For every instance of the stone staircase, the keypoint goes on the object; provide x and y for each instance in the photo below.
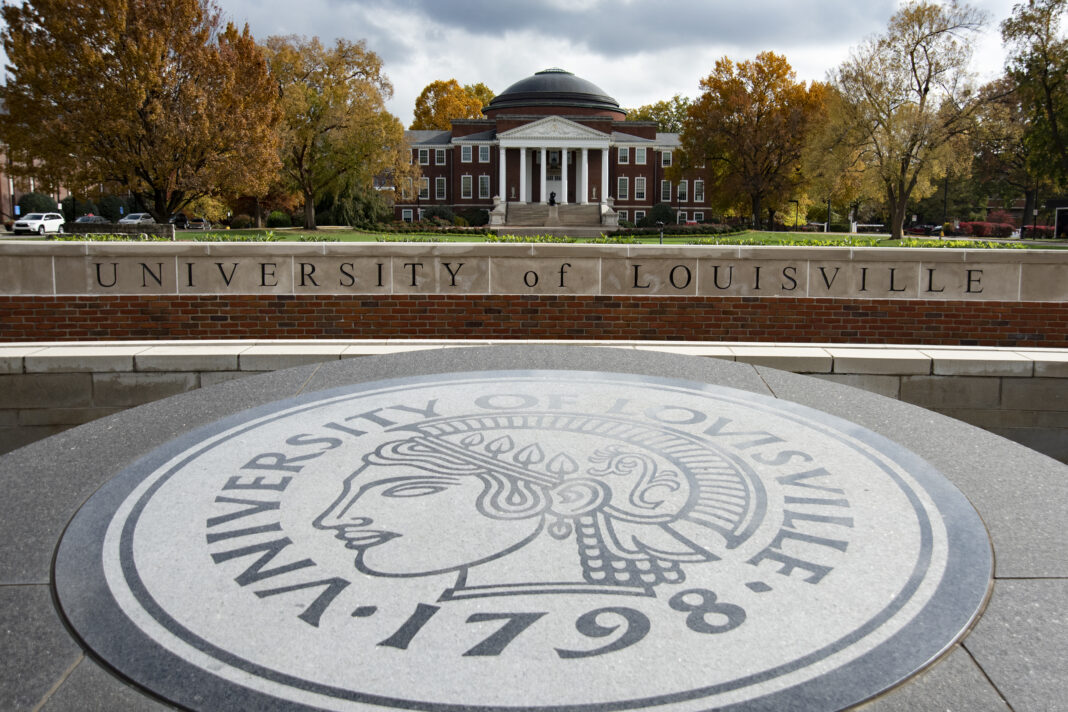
(533, 214)
(537, 215)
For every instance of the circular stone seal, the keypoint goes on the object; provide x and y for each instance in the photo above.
(524, 540)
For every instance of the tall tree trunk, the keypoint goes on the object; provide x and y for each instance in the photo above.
(897, 219)
(1028, 217)
(309, 210)
(756, 211)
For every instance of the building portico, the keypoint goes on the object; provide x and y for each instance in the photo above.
(552, 154)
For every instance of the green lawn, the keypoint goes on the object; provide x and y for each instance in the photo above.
(748, 237)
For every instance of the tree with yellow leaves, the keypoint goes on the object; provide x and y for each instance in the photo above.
(444, 100)
(906, 103)
(336, 133)
(158, 96)
(748, 128)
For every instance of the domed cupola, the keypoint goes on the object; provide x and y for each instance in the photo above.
(552, 91)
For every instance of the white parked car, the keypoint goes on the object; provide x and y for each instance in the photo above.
(138, 219)
(39, 223)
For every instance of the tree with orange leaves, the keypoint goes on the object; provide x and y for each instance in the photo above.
(748, 128)
(442, 101)
(159, 96)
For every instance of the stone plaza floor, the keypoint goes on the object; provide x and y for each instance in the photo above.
(1012, 659)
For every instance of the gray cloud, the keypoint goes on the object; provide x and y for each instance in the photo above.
(622, 28)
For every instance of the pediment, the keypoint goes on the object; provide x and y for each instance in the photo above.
(553, 127)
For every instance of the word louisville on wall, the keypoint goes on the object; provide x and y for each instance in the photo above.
(494, 269)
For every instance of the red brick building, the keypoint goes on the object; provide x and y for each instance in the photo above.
(552, 137)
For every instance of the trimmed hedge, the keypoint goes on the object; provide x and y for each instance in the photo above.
(986, 229)
(1038, 231)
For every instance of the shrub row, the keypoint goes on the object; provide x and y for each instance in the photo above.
(986, 229)
(679, 230)
(1037, 231)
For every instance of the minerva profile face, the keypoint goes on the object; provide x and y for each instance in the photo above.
(411, 522)
(465, 492)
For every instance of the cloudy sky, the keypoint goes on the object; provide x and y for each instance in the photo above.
(638, 51)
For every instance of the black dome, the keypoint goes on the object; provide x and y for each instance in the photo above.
(554, 87)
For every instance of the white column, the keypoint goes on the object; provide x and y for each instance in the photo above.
(502, 190)
(584, 179)
(604, 175)
(563, 176)
(544, 168)
(522, 174)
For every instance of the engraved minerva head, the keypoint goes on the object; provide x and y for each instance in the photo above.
(638, 499)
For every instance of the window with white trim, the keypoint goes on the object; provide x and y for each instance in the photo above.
(406, 190)
(411, 157)
(439, 188)
(623, 155)
(421, 211)
(483, 186)
(483, 154)
(439, 156)
(639, 155)
(424, 156)
(465, 154)
(639, 188)
(406, 215)
(665, 191)
(665, 159)
(699, 217)
(638, 215)
(698, 191)
(466, 187)
(683, 190)
(623, 214)
(424, 188)
(622, 188)
(682, 217)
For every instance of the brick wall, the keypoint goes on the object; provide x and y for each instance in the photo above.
(439, 316)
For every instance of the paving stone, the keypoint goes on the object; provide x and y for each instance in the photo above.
(951, 391)
(63, 416)
(12, 438)
(980, 363)
(11, 357)
(1021, 642)
(82, 359)
(1048, 441)
(797, 359)
(889, 386)
(273, 357)
(191, 357)
(954, 684)
(1049, 363)
(211, 378)
(91, 688)
(126, 389)
(886, 361)
(35, 648)
(1035, 394)
(52, 389)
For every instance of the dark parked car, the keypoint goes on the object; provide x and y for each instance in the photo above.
(179, 220)
(198, 224)
(94, 219)
(923, 229)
